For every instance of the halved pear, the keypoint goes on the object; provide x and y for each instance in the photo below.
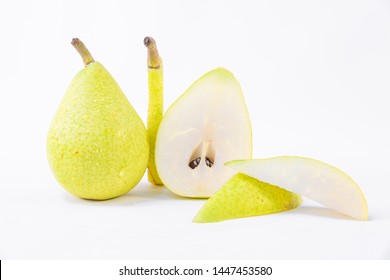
(244, 196)
(310, 178)
(205, 127)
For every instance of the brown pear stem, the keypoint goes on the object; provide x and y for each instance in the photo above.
(154, 59)
(83, 51)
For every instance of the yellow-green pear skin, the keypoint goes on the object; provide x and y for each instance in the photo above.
(244, 196)
(155, 106)
(97, 144)
(155, 115)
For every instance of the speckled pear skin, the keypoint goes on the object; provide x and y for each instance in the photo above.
(97, 144)
(244, 196)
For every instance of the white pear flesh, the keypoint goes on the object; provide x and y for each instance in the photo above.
(310, 178)
(205, 127)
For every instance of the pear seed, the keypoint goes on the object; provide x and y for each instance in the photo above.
(194, 163)
(209, 162)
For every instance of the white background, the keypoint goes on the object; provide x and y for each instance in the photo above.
(316, 78)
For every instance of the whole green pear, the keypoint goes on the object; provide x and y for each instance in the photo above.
(97, 145)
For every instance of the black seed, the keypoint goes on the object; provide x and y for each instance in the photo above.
(194, 163)
(209, 162)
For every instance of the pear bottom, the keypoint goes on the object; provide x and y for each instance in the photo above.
(97, 175)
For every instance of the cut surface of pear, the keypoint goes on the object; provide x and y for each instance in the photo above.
(244, 196)
(310, 178)
(97, 144)
(205, 127)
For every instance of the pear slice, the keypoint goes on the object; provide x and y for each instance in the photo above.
(205, 127)
(244, 196)
(156, 104)
(310, 178)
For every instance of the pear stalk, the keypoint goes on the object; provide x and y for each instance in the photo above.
(83, 51)
(155, 107)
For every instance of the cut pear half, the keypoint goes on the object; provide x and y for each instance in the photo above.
(310, 178)
(205, 127)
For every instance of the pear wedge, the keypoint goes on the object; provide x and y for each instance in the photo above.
(244, 196)
(310, 178)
